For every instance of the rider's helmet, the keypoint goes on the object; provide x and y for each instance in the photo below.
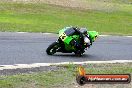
(83, 31)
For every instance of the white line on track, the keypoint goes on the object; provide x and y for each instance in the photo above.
(129, 36)
(21, 32)
(47, 33)
(34, 65)
(104, 35)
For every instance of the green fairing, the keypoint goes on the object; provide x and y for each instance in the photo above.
(68, 39)
(92, 35)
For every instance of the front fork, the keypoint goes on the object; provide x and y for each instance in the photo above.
(60, 49)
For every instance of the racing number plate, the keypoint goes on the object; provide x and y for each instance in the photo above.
(63, 36)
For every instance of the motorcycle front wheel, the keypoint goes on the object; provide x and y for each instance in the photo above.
(52, 49)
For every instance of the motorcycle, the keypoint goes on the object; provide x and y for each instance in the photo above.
(66, 35)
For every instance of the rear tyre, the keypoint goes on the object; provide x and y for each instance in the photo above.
(78, 53)
(52, 49)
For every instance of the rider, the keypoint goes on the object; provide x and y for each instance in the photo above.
(82, 32)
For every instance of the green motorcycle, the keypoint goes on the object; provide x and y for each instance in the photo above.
(66, 36)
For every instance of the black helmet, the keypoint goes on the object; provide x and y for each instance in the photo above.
(83, 30)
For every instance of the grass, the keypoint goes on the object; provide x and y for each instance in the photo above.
(62, 77)
(40, 17)
(36, 80)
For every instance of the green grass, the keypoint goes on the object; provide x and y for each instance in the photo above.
(40, 17)
(116, 68)
(62, 77)
(36, 80)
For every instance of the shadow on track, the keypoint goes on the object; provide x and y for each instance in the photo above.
(84, 56)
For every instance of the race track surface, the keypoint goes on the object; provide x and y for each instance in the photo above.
(28, 48)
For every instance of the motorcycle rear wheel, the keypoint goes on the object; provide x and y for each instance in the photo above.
(78, 53)
(52, 49)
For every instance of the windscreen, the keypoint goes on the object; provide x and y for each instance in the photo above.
(69, 31)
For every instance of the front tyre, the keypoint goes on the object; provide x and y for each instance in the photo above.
(52, 49)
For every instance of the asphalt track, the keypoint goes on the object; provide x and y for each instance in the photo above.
(28, 48)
